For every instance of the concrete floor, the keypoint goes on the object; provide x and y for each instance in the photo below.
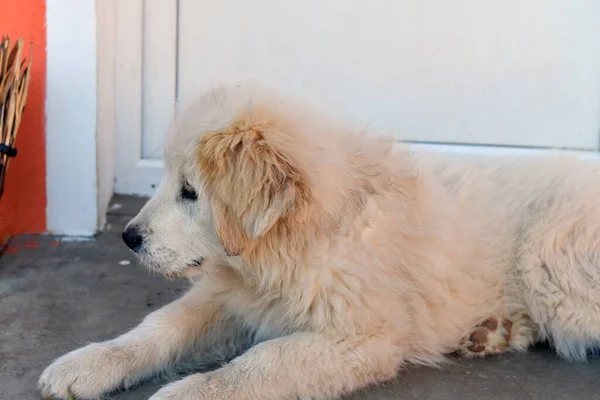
(58, 295)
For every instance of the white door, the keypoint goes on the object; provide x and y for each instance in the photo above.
(510, 73)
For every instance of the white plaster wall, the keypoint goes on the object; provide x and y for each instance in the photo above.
(106, 102)
(71, 99)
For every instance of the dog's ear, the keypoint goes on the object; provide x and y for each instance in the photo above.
(250, 183)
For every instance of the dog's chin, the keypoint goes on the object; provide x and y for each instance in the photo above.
(190, 271)
(172, 271)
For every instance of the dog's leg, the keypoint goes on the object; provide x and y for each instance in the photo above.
(564, 299)
(302, 365)
(162, 339)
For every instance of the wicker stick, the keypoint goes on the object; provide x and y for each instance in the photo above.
(14, 85)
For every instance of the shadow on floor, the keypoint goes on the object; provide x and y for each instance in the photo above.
(57, 295)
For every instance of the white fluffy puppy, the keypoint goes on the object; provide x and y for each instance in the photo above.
(324, 259)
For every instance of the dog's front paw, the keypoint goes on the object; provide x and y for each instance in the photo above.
(209, 386)
(178, 391)
(86, 373)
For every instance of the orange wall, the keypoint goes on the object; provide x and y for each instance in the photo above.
(23, 206)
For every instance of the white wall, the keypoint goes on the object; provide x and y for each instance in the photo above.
(462, 71)
(106, 105)
(71, 100)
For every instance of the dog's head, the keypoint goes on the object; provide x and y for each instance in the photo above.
(230, 177)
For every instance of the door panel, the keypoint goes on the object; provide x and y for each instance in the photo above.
(510, 73)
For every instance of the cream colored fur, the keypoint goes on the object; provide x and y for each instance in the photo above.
(339, 257)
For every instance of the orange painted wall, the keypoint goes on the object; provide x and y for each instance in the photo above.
(23, 206)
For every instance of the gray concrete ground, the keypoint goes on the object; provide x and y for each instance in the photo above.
(59, 295)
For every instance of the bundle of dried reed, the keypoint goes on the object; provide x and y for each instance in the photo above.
(14, 82)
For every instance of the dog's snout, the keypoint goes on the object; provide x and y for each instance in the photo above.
(132, 238)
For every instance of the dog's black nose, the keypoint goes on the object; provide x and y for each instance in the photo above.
(132, 238)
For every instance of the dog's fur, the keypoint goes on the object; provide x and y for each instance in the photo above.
(338, 257)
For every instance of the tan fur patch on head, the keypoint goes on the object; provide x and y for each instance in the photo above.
(251, 184)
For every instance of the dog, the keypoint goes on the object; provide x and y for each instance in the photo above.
(324, 258)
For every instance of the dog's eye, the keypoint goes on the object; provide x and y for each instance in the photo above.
(188, 192)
